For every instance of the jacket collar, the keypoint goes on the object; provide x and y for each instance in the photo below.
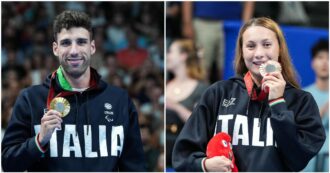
(59, 86)
(250, 86)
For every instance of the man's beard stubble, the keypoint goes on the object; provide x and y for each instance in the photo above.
(75, 73)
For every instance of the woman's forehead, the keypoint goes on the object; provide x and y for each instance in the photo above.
(258, 33)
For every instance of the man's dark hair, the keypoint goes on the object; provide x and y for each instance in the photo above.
(68, 19)
(321, 45)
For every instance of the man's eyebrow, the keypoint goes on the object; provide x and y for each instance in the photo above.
(82, 39)
(66, 39)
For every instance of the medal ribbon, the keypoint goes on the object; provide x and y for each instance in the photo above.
(51, 91)
(249, 86)
(65, 85)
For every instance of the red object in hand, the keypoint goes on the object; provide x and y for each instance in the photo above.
(220, 145)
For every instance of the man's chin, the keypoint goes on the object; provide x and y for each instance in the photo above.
(76, 73)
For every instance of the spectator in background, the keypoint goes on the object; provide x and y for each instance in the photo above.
(160, 163)
(184, 90)
(37, 61)
(145, 25)
(134, 56)
(173, 21)
(97, 61)
(150, 151)
(203, 21)
(111, 71)
(320, 92)
(146, 79)
(116, 32)
(12, 82)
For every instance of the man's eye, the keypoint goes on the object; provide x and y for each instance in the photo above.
(65, 43)
(81, 41)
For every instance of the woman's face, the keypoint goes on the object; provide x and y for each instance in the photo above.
(174, 57)
(259, 45)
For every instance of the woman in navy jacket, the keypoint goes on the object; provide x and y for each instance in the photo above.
(274, 125)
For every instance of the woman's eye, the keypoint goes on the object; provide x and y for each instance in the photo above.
(267, 45)
(250, 46)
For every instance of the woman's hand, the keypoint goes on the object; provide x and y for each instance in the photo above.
(275, 84)
(218, 164)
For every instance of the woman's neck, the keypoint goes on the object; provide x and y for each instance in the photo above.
(180, 74)
(256, 79)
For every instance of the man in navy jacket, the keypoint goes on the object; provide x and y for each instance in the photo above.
(100, 131)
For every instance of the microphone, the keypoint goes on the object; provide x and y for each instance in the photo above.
(220, 145)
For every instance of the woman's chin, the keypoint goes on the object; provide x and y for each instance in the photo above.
(256, 74)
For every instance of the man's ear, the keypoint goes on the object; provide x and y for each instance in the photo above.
(55, 48)
(93, 48)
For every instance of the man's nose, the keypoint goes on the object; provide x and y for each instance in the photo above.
(74, 50)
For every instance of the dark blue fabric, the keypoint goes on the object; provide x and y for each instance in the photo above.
(20, 152)
(218, 10)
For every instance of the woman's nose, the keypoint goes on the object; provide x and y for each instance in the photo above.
(259, 52)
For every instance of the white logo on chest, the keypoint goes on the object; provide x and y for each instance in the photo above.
(240, 130)
(226, 103)
(108, 112)
(72, 143)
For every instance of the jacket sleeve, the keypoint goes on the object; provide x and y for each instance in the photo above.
(19, 147)
(132, 157)
(190, 146)
(299, 134)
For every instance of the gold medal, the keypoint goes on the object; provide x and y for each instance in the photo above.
(61, 105)
(269, 67)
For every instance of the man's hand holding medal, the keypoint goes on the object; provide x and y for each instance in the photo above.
(52, 119)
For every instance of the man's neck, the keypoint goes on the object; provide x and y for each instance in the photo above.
(82, 81)
(322, 84)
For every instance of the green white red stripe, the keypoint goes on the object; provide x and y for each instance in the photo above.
(203, 164)
(276, 101)
(38, 144)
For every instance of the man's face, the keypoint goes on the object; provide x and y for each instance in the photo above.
(320, 64)
(74, 49)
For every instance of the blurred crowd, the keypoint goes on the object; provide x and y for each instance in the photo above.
(129, 38)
